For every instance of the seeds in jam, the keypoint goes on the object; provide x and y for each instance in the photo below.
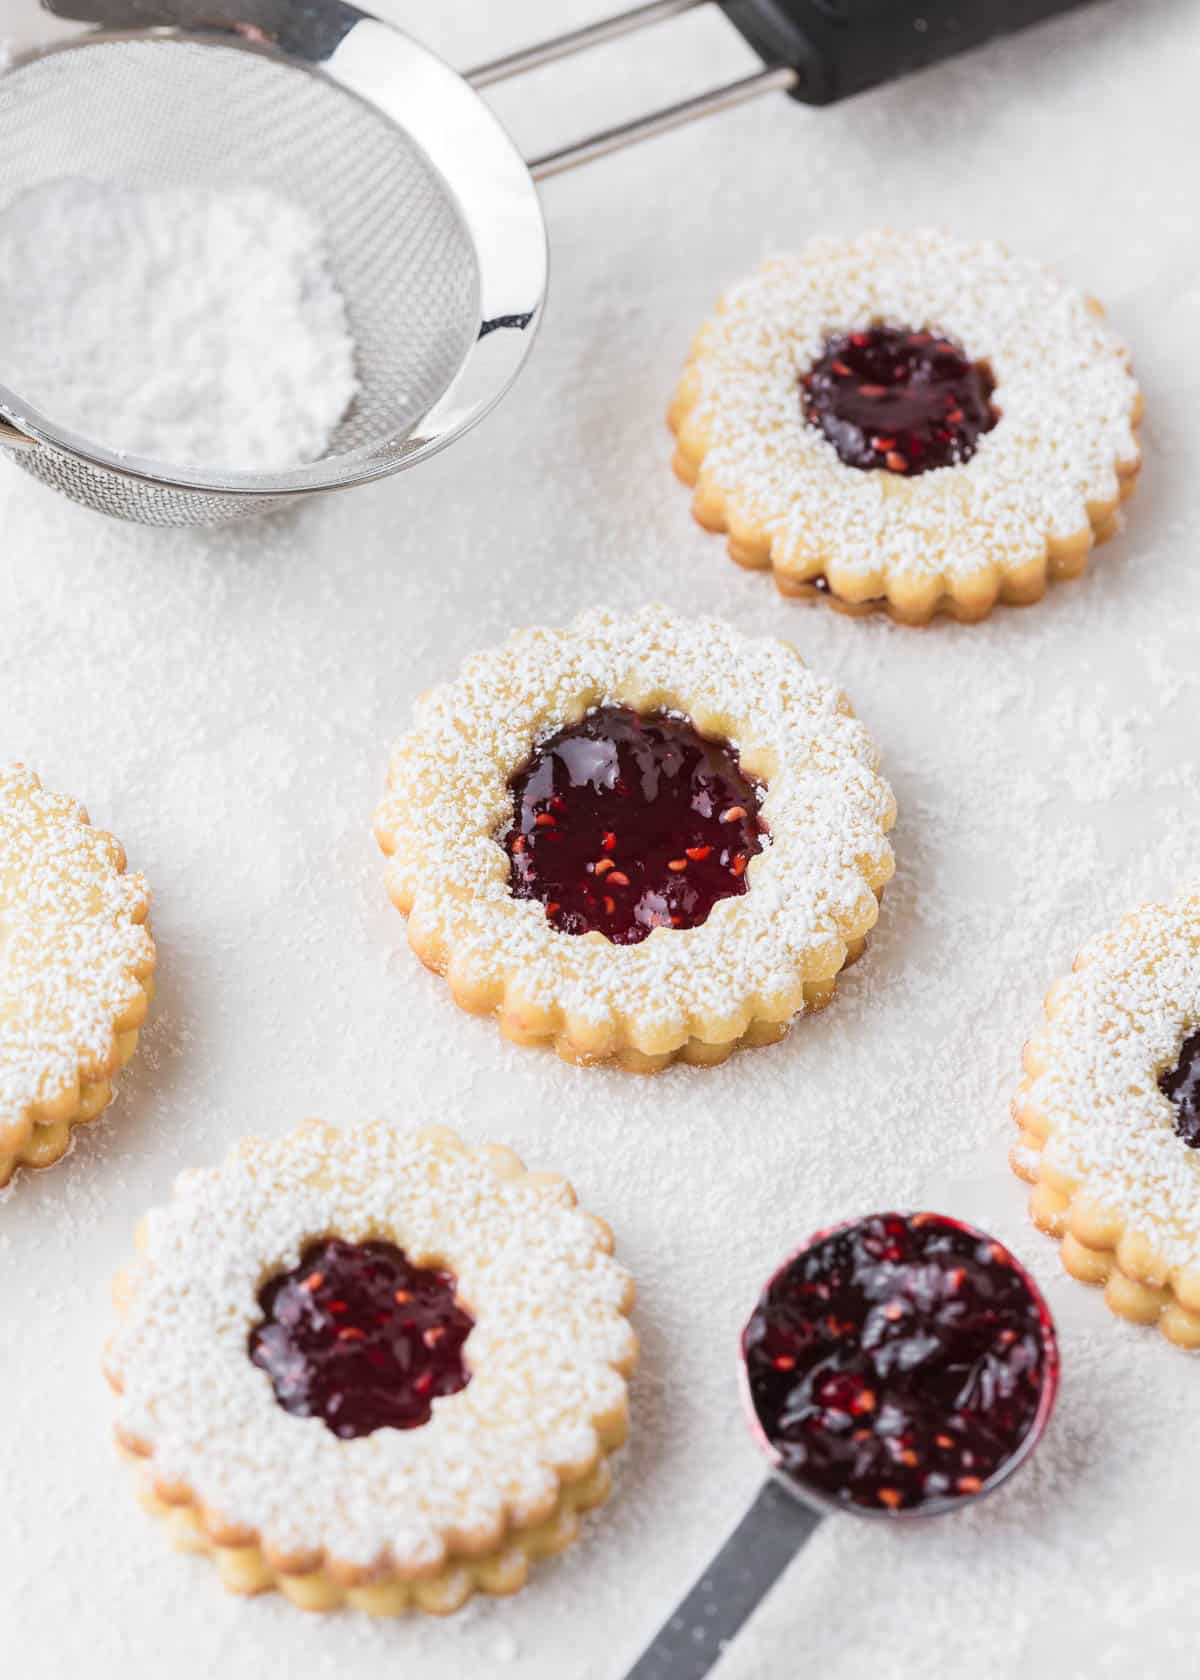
(623, 823)
(900, 1362)
(899, 400)
(361, 1338)
(1182, 1087)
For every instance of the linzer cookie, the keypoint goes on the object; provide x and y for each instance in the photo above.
(908, 422)
(372, 1368)
(1109, 1111)
(639, 838)
(76, 962)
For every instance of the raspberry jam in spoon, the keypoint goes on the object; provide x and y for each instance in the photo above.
(896, 1367)
(898, 1364)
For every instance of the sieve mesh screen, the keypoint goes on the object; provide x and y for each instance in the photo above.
(177, 112)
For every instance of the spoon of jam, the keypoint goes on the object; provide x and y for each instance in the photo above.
(896, 1367)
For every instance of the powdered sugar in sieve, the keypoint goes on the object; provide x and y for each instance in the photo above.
(192, 326)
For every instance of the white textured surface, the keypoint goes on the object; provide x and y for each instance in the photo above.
(225, 703)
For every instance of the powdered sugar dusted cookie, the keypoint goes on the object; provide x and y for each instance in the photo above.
(908, 421)
(1109, 1112)
(372, 1367)
(76, 961)
(645, 838)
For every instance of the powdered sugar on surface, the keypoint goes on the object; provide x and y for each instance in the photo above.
(195, 327)
(226, 702)
(826, 810)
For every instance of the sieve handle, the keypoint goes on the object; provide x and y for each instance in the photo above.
(816, 50)
(694, 1636)
(842, 47)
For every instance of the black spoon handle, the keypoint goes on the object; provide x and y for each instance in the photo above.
(738, 1578)
(840, 47)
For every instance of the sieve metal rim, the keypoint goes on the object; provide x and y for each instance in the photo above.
(484, 178)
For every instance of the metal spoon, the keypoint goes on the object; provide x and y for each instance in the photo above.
(787, 1511)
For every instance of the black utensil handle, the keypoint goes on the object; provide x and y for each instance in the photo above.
(738, 1578)
(840, 47)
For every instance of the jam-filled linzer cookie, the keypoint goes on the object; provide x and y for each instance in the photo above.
(372, 1367)
(76, 962)
(1109, 1112)
(643, 838)
(910, 422)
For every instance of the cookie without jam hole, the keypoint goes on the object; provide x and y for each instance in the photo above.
(76, 968)
(699, 774)
(520, 1364)
(1107, 1117)
(1011, 487)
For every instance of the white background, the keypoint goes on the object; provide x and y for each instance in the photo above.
(225, 703)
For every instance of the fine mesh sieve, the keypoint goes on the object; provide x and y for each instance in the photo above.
(442, 269)
(432, 220)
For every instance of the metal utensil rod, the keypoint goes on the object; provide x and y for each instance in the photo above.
(578, 40)
(691, 1640)
(779, 78)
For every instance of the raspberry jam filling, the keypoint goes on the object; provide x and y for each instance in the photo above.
(899, 400)
(900, 1362)
(1182, 1087)
(361, 1338)
(623, 823)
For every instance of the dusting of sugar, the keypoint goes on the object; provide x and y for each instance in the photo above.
(1066, 398)
(195, 327)
(223, 698)
(825, 808)
(546, 1353)
(1117, 1025)
(73, 951)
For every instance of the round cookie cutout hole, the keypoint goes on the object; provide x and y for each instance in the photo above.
(899, 399)
(360, 1337)
(625, 822)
